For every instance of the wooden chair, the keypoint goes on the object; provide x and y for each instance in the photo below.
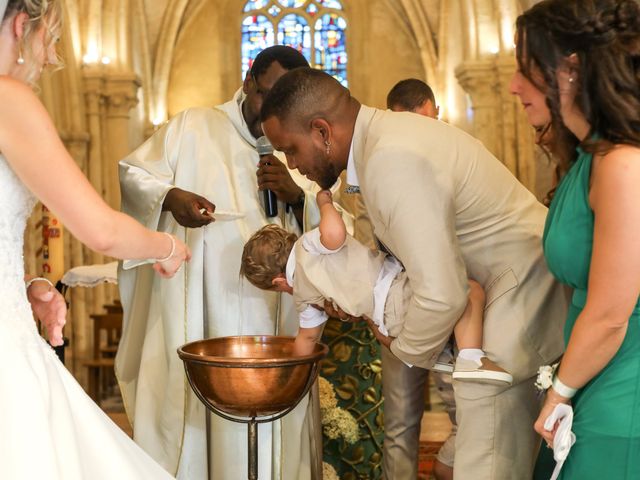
(100, 367)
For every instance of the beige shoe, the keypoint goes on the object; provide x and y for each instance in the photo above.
(486, 372)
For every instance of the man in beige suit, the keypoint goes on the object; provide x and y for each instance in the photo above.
(447, 209)
(402, 386)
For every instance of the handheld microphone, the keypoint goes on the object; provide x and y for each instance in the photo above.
(264, 147)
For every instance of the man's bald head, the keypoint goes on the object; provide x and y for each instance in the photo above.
(302, 95)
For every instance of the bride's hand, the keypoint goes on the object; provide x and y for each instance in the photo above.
(168, 267)
(50, 307)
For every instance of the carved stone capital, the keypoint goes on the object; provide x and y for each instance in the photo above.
(93, 89)
(121, 93)
(478, 79)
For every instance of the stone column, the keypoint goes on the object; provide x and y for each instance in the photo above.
(94, 105)
(478, 79)
(498, 121)
(78, 329)
(121, 96)
(517, 135)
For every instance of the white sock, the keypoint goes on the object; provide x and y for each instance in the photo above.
(472, 354)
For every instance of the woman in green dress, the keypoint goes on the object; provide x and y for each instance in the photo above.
(579, 60)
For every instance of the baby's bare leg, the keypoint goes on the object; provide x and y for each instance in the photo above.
(468, 329)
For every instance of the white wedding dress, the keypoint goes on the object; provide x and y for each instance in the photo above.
(49, 428)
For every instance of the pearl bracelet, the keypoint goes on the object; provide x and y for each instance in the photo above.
(173, 249)
(562, 389)
(38, 279)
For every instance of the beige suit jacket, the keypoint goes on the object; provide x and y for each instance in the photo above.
(449, 210)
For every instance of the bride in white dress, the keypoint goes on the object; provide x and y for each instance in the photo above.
(49, 428)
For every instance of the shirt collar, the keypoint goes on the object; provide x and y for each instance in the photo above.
(352, 175)
(290, 269)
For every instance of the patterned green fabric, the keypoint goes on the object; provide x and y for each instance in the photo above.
(354, 368)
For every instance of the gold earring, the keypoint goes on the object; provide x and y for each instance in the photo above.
(328, 144)
(571, 79)
(20, 60)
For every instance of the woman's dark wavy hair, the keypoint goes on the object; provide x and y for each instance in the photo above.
(605, 37)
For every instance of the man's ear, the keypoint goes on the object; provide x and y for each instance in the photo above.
(323, 129)
(246, 85)
(279, 283)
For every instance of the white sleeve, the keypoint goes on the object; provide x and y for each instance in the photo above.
(311, 317)
(312, 244)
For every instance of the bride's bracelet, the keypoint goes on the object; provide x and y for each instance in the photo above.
(562, 389)
(173, 248)
(38, 279)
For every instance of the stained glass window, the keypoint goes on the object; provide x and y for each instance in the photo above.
(330, 4)
(316, 28)
(294, 31)
(255, 5)
(292, 3)
(257, 34)
(331, 52)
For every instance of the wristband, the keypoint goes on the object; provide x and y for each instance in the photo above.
(562, 389)
(38, 279)
(173, 249)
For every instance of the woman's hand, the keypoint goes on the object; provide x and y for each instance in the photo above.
(552, 399)
(167, 268)
(50, 307)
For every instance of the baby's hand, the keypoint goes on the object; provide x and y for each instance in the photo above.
(323, 197)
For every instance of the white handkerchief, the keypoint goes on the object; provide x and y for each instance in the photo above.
(226, 216)
(564, 438)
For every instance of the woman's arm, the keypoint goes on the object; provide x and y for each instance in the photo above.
(614, 277)
(333, 231)
(30, 143)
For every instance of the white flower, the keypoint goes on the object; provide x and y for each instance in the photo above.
(545, 376)
(328, 472)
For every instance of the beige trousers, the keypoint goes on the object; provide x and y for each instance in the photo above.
(495, 439)
(403, 390)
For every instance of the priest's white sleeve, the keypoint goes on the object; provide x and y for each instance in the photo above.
(147, 175)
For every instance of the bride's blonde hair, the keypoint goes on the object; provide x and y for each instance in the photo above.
(45, 14)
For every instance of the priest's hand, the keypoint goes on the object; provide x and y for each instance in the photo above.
(50, 307)
(187, 208)
(273, 175)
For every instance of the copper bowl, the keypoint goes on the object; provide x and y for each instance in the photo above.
(249, 376)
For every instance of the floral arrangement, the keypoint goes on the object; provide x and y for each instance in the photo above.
(336, 421)
(328, 472)
(545, 376)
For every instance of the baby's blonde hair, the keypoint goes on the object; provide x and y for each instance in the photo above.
(265, 255)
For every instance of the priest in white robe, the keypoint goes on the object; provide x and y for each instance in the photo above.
(208, 157)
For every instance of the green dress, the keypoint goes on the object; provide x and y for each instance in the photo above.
(607, 409)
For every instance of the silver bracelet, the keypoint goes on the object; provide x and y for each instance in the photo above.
(562, 389)
(173, 248)
(38, 279)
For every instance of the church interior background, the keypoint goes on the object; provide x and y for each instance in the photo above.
(129, 65)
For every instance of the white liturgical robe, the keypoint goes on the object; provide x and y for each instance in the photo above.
(209, 152)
